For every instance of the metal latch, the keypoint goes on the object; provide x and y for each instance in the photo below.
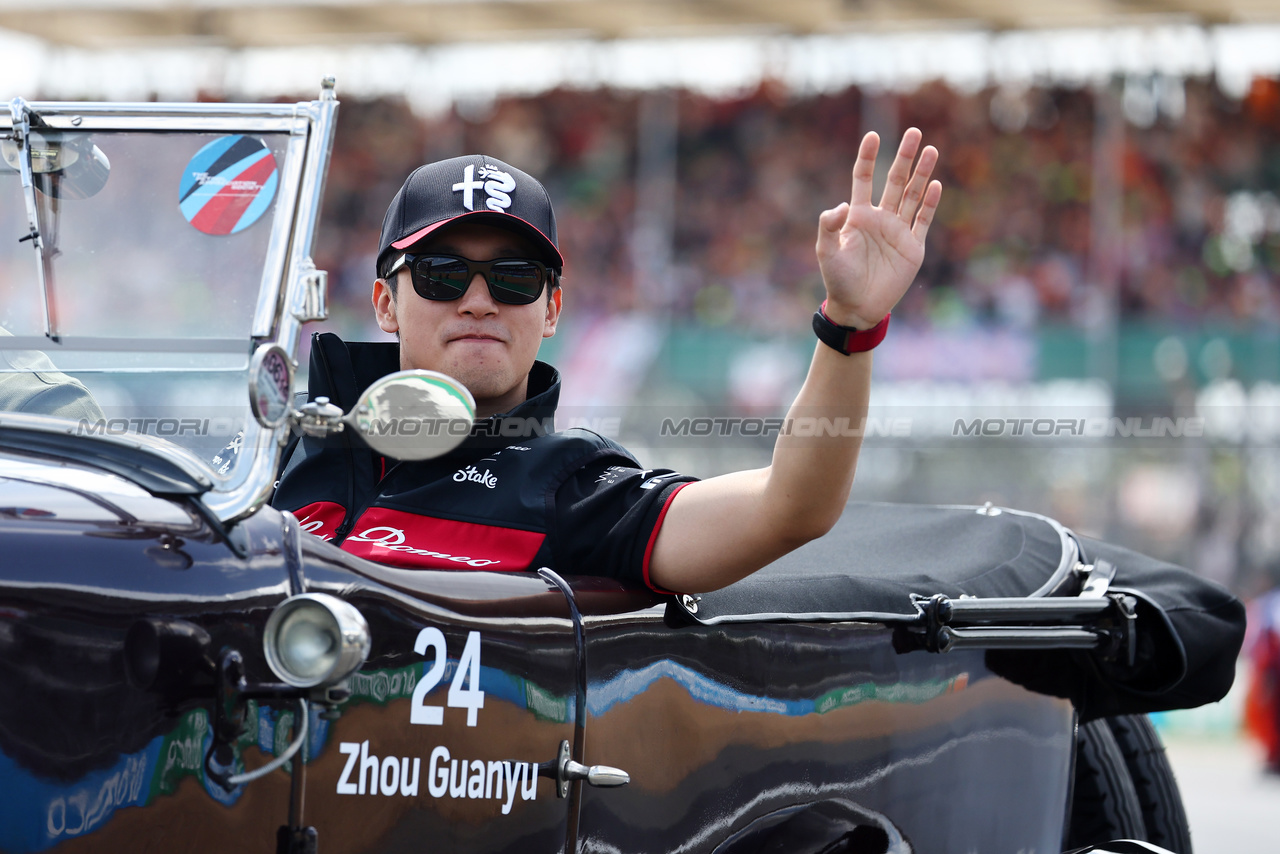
(566, 771)
(1098, 579)
(313, 285)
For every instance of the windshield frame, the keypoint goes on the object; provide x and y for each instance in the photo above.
(290, 292)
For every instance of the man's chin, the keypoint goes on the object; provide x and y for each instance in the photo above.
(491, 396)
(481, 380)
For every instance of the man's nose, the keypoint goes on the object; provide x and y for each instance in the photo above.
(477, 299)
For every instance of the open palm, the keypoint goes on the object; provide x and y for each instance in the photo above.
(870, 254)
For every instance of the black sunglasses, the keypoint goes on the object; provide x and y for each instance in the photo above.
(514, 281)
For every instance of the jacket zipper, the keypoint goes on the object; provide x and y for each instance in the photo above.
(349, 520)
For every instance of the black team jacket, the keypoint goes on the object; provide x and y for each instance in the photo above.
(515, 495)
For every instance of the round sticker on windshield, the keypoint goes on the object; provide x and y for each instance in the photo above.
(228, 185)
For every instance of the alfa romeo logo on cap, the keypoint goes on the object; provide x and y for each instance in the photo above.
(228, 185)
(496, 185)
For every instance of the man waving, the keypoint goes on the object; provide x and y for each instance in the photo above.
(469, 282)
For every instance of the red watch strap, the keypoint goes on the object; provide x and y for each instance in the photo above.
(848, 339)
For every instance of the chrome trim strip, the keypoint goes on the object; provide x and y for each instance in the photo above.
(89, 343)
(49, 110)
(874, 618)
(324, 114)
(273, 284)
(90, 116)
(324, 117)
(89, 495)
(218, 124)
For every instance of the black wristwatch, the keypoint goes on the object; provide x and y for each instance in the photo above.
(847, 339)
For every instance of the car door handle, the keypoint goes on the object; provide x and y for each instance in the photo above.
(566, 771)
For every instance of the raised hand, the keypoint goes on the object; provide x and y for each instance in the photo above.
(870, 254)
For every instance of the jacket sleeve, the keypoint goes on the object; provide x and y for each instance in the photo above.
(607, 517)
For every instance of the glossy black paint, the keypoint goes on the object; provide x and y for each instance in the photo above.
(725, 728)
(735, 737)
(527, 672)
(75, 734)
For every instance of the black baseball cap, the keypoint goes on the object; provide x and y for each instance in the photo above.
(475, 188)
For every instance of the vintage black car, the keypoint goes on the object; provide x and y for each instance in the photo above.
(182, 668)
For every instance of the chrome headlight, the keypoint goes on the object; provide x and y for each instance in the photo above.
(315, 639)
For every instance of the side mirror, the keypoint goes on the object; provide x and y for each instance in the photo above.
(414, 415)
(408, 415)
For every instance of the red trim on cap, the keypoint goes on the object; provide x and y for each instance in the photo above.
(406, 242)
(653, 538)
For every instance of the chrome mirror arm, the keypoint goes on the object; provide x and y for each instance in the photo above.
(318, 418)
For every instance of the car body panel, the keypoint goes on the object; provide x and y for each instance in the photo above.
(526, 671)
(722, 727)
(79, 746)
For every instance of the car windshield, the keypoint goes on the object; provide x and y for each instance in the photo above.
(143, 323)
(163, 242)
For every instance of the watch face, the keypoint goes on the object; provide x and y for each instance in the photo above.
(270, 385)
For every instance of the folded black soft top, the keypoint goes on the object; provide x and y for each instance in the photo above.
(878, 555)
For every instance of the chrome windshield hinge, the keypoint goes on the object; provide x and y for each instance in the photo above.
(313, 287)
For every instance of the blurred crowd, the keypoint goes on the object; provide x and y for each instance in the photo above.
(1152, 200)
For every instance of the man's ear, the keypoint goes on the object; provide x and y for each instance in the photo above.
(384, 307)
(553, 313)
